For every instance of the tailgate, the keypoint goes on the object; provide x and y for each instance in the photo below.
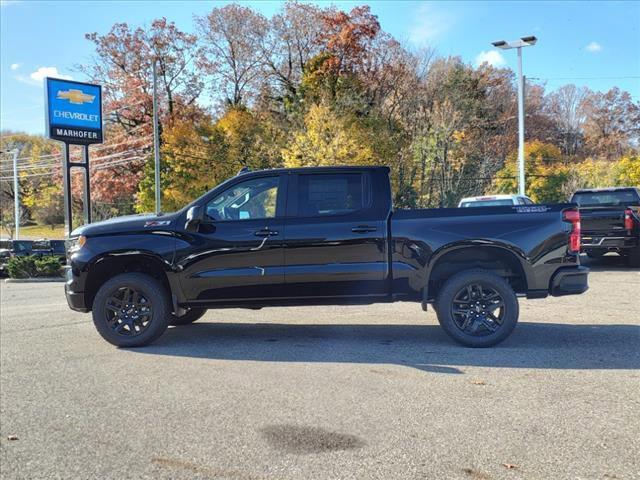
(603, 220)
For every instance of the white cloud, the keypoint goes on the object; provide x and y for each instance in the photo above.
(593, 47)
(37, 77)
(15, 66)
(492, 57)
(429, 23)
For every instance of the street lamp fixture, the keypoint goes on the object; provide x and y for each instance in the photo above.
(518, 44)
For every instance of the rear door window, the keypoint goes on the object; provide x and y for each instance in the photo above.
(332, 194)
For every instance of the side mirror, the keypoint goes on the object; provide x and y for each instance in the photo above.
(195, 216)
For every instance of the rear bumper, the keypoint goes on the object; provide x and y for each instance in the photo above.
(569, 281)
(603, 242)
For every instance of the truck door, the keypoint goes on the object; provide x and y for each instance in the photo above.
(335, 235)
(237, 252)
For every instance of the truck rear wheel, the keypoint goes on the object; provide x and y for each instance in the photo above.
(477, 308)
(191, 316)
(131, 310)
(634, 257)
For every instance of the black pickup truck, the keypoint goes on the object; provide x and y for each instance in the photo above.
(319, 236)
(610, 220)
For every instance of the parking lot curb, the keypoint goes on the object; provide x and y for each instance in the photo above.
(34, 280)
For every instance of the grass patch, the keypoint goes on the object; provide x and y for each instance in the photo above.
(33, 232)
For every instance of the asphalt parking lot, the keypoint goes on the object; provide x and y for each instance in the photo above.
(325, 393)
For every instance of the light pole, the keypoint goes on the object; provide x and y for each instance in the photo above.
(16, 198)
(523, 42)
(16, 195)
(156, 139)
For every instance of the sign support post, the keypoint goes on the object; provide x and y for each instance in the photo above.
(66, 185)
(87, 185)
(74, 117)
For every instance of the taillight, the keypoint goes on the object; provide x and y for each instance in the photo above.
(573, 216)
(628, 219)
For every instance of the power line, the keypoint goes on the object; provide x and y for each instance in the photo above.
(56, 167)
(101, 166)
(54, 162)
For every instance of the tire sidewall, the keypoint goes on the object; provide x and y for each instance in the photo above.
(454, 285)
(152, 290)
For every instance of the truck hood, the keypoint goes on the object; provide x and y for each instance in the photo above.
(128, 224)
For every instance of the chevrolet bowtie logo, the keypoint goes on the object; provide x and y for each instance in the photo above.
(77, 97)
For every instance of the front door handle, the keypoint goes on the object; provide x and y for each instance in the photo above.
(266, 232)
(363, 229)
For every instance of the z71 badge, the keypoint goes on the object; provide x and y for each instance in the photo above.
(157, 223)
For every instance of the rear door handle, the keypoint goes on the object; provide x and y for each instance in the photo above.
(266, 232)
(363, 229)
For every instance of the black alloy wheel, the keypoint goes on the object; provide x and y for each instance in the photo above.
(128, 311)
(131, 310)
(478, 309)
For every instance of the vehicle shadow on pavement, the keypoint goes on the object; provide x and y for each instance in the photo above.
(532, 345)
(608, 263)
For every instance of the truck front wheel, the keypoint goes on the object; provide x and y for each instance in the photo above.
(477, 308)
(131, 310)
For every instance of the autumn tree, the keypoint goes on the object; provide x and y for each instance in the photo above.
(327, 140)
(232, 38)
(612, 123)
(124, 65)
(565, 106)
(293, 38)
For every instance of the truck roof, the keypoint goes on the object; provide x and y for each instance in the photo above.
(604, 189)
(317, 169)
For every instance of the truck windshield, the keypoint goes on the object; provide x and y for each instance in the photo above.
(487, 203)
(620, 198)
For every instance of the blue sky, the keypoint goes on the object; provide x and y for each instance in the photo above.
(596, 44)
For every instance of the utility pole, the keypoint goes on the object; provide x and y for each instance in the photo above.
(16, 194)
(518, 44)
(156, 138)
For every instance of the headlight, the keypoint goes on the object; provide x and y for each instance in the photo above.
(75, 244)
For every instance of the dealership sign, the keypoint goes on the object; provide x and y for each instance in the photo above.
(73, 111)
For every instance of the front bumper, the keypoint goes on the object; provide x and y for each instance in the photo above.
(569, 281)
(75, 300)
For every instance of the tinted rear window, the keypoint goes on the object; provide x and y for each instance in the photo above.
(332, 194)
(620, 198)
(487, 203)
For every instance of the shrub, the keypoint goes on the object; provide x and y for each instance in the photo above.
(32, 266)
